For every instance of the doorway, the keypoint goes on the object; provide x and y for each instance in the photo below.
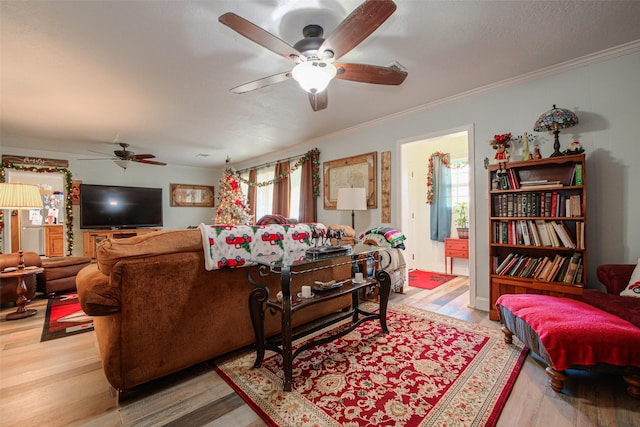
(423, 253)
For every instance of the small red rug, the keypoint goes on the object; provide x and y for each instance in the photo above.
(430, 370)
(65, 317)
(428, 279)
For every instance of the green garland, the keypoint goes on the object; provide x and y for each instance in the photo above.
(69, 196)
(311, 155)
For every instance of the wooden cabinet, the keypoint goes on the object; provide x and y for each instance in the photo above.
(455, 248)
(91, 238)
(54, 240)
(537, 225)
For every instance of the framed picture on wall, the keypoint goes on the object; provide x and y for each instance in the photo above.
(357, 171)
(192, 195)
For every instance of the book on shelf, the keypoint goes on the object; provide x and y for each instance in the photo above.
(504, 263)
(579, 274)
(578, 174)
(541, 264)
(544, 273)
(565, 236)
(547, 203)
(553, 236)
(572, 269)
(542, 231)
(526, 239)
(533, 232)
(557, 262)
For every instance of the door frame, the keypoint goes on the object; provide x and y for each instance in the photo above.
(402, 199)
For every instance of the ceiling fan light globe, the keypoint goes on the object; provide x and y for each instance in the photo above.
(314, 76)
(124, 164)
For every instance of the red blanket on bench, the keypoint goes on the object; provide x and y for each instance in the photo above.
(575, 333)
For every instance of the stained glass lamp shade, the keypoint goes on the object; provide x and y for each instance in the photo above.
(554, 120)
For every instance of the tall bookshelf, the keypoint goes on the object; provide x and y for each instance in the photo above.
(537, 227)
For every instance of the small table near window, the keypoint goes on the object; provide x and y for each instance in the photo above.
(455, 248)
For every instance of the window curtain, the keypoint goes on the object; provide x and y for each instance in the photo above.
(282, 190)
(308, 202)
(251, 194)
(441, 206)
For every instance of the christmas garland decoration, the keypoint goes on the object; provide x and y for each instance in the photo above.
(445, 162)
(69, 196)
(311, 155)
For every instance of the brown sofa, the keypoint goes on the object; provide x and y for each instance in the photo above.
(8, 287)
(158, 310)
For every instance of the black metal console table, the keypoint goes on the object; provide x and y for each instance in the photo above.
(260, 300)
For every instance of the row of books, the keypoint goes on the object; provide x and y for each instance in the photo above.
(559, 269)
(548, 204)
(538, 233)
(509, 180)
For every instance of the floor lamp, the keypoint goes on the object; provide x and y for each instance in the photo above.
(353, 199)
(20, 196)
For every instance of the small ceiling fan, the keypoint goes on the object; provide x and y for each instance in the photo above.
(315, 56)
(124, 157)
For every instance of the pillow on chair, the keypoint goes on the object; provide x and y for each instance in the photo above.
(633, 288)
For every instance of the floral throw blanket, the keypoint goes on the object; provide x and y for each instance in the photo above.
(234, 246)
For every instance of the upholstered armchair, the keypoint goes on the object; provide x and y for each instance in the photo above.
(8, 286)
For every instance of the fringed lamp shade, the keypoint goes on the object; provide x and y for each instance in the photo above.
(554, 120)
(19, 196)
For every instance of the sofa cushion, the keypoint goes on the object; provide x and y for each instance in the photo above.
(621, 306)
(110, 251)
(633, 288)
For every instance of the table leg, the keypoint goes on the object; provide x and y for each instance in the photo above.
(256, 307)
(384, 281)
(21, 302)
(286, 333)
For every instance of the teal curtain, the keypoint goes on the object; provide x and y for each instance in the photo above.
(441, 206)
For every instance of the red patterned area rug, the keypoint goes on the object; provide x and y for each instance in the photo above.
(428, 279)
(429, 370)
(65, 317)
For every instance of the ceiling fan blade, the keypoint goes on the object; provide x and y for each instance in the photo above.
(144, 156)
(357, 26)
(371, 74)
(263, 82)
(100, 152)
(102, 158)
(318, 100)
(150, 162)
(258, 35)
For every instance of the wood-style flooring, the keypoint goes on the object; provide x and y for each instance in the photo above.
(61, 383)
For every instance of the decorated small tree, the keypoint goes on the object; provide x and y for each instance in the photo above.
(233, 208)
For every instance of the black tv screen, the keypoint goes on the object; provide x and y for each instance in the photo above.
(109, 206)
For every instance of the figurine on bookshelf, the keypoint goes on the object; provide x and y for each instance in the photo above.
(537, 154)
(574, 148)
(501, 143)
(526, 154)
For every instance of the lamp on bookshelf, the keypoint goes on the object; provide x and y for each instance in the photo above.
(554, 120)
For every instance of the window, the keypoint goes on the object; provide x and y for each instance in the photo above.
(264, 194)
(459, 186)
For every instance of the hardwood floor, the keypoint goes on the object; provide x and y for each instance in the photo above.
(61, 383)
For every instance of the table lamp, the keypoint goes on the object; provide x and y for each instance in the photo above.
(353, 199)
(554, 120)
(19, 196)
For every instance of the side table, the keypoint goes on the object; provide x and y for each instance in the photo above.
(21, 290)
(455, 248)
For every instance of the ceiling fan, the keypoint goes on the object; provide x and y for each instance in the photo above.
(315, 56)
(124, 157)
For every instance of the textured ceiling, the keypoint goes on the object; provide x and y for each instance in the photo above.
(77, 75)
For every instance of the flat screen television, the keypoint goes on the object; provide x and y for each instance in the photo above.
(115, 207)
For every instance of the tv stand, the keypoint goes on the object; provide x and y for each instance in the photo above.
(91, 238)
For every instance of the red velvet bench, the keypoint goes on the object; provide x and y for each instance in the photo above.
(571, 334)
